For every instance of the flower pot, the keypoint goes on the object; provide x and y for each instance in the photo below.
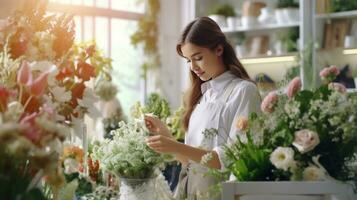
(280, 17)
(266, 16)
(137, 189)
(232, 22)
(291, 15)
(249, 21)
(219, 19)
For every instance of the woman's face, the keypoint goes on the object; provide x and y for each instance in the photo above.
(205, 63)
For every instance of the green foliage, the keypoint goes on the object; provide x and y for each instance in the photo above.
(15, 179)
(158, 106)
(147, 35)
(287, 4)
(290, 39)
(343, 5)
(84, 186)
(174, 123)
(226, 10)
(250, 162)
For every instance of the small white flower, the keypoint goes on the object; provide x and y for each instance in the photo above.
(206, 158)
(70, 166)
(60, 94)
(88, 101)
(306, 140)
(313, 173)
(283, 158)
(14, 111)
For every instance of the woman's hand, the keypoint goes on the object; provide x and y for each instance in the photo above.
(163, 144)
(156, 126)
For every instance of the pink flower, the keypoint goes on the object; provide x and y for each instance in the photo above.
(334, 70)
(293, 87)
(324, 73)
(24, 76)
(329, 73)
(38, 87)
(269, 102)
(32, 132)
(337, 87)
(306, 140)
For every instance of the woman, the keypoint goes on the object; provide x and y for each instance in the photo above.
(220, 92)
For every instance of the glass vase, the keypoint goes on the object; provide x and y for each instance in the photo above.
(137, 189)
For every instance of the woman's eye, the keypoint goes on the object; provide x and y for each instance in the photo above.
(198, 58)
(188, 61)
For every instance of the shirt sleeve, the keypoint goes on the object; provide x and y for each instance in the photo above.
(244, 100)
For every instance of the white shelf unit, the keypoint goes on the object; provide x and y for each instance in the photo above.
(261, 28)
(336, 15)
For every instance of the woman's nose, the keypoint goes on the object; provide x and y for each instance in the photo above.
(193, 66)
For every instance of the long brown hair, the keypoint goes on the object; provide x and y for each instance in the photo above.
(204, 32)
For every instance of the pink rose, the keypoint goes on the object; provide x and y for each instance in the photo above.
(306, 140)
(337, 87)
(324, 73)
(334, 70)
(293, 87)
(329, 73)
(269, 102)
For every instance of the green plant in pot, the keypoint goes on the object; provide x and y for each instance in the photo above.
(220, 12)
(287, 11)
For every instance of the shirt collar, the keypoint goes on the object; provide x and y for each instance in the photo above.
(218, 83)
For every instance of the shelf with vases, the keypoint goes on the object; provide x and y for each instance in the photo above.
(258, 59)
(337, 15)
(260, 27)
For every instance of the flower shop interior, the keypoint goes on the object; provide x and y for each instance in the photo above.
(87, 85)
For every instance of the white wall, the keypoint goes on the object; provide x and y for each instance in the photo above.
(174, 15)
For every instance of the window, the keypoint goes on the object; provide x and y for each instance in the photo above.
(110, 23)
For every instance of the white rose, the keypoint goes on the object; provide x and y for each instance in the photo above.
(313, 173)
(283, 158)
(70, 166)
(306, 140)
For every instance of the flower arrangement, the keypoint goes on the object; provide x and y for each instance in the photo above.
(43, 77)
(301, 135)
(127, 154)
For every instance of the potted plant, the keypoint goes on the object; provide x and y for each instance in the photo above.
(221, 12)
(287, 11)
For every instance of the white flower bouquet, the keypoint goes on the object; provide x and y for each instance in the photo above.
(127, 154)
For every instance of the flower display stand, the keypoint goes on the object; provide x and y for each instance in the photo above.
(287, 190)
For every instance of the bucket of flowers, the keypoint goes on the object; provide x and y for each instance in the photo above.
(133, 162)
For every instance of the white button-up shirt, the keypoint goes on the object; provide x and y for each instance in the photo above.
(243, 100)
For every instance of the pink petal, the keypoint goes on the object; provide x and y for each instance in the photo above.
(24, 76)
(39, 85)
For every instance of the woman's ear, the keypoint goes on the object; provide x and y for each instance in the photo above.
(219, 50)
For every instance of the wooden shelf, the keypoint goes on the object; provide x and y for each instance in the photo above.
(336, 15)
(260, 27)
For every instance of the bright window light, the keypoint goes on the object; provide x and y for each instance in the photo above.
(268, 60)
(349, 51)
